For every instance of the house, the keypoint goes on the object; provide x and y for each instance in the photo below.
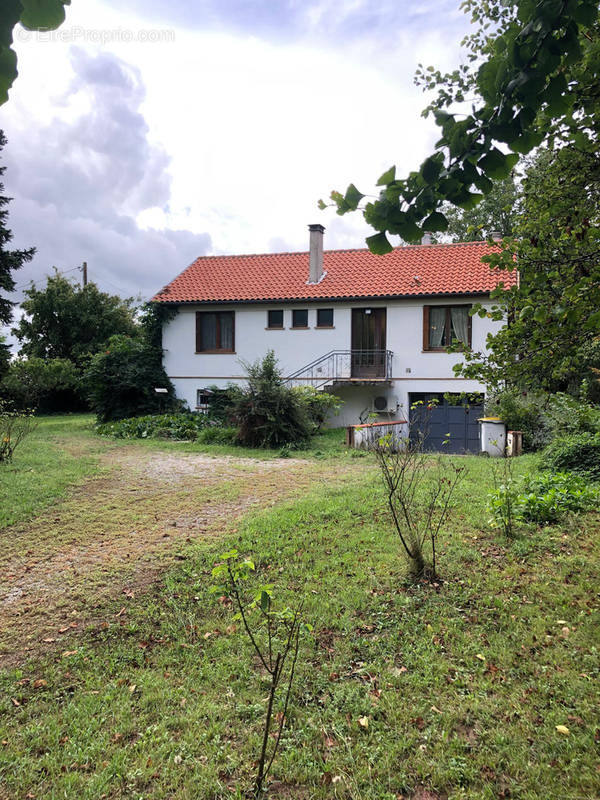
(373, 329)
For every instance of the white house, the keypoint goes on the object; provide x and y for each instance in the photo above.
(373, 329)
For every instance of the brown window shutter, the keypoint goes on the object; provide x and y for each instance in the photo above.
(425, 327)
(198, 331)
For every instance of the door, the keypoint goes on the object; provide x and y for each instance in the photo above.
(368, 342)
(434, 422)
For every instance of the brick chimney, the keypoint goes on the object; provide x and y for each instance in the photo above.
(315, 271)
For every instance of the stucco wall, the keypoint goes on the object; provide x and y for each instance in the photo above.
(413, 369)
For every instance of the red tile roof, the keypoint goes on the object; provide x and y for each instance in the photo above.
(406, 271)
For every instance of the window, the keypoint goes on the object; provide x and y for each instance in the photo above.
(203, 400)
(443, 325)
(325, 318)
(300, 318)
(215, 332)
(275, 319)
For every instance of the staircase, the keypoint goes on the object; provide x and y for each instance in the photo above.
(344, 366)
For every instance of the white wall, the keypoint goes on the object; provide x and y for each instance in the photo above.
(413, 370)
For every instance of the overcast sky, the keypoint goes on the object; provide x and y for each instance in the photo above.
(144, 133)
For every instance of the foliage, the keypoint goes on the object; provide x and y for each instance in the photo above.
(66, 320)
(419, 489)
(564, 414)
(551, 341)
(277, 652)
(521, 411)
(183, 425)
(10, 260)
(222, 402)
(319, 405)
(578, 453)
(52, 385)
(4, 357)
(121, 381)
(268, 413)
(496, 213)
(532, 76)
(33, 15)
(218, 434)
(547, 498)
(15, 426)
(503, 503)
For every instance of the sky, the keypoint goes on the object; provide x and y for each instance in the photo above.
(145, 133)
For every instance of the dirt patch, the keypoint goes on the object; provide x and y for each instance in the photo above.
(118, 532)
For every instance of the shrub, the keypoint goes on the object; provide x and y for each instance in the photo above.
(566, 415)
(15, 426)
(121, 381)
(521, 412)
(268, 413)
(166, 426)
(547, 498)
(579, 453)
(319, 405)
(222, 402)
(46, 385)
(216, 434)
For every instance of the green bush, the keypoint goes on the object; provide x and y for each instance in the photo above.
(566, 415)
(521, 412)
(547, 498)
(45, 385)
(215, 434)
(268, 413)
(222, 402)
(158, 426)
(15, 426)
(579, 453)
(121, 381)
(319, 405)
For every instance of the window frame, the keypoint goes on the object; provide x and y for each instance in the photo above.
(297, 311)
(447, 327)
(218, 348)
(319, 310)
(275, 327)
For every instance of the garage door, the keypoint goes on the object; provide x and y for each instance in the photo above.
(442, 418)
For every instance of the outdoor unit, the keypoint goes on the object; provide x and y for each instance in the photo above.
(383, 404)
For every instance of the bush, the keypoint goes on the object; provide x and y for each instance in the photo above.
(268, 413)
(579, 453)
(566, 415)
(548, 498)
(52, 385)
(521, 412)
(215, 434)
(318, 405)
(222, 402)
(161, 426)
(121, 381)
(14, 427)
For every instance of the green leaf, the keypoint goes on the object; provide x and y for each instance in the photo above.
(10, 13)
(43, 14)
(435, 222)
(353, 197)
(379, 244)
(526, 142)
(8, 71)
(497, 165)
(431, 168)
(265, 601)
(322, 205)
(387, 177)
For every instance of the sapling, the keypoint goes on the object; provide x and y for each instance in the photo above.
(275, 638)
(15, 426)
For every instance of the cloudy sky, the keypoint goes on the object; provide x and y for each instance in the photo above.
(144, 133)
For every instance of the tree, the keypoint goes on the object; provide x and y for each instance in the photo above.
(4, 357)
(533, 79)
(551, 341)
(65, 320)
(51, 385)
(496, 213)
(34, 15)
(10, 260)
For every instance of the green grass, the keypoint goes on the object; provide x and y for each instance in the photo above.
(462, 684)
(59, 453)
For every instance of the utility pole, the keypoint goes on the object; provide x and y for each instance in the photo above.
(84, 270)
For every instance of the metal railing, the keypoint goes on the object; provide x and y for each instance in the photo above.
(344, 365)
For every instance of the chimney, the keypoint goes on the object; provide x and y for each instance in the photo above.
(315, 272)
(496, 236)
(426, 239)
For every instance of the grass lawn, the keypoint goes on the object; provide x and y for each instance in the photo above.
(462, 684)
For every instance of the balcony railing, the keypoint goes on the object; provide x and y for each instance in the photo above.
(339, 366)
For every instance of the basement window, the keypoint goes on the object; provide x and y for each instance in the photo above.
(275, 318)
(300, 318)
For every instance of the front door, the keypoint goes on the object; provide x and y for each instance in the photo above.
(368, 342)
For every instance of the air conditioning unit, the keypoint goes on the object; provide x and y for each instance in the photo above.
(382, 404)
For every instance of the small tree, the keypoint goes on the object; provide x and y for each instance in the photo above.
(121, 381)
(419, 488)
(269, 414)
(275, 638)
(14, 427)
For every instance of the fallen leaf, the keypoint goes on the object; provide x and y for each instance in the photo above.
(562, 729)
(397, 671)
(363, 722)
(15, 702)
(178, 759)
(40, 683)
(48, 640)
(68, 653)
(480, 656)
(436, 709)
(132, 688)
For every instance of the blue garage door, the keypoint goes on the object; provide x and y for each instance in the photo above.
(442, 418)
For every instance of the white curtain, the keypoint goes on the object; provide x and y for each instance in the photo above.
(460, 324)
(437, 323)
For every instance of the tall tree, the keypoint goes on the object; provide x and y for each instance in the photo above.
(10, 261)
(496, 213)
(533, 76)
(65, 320)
